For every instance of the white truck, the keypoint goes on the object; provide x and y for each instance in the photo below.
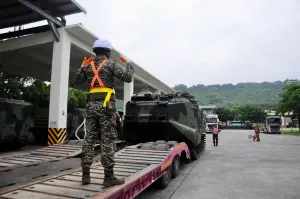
(272, 125)
(211, 118)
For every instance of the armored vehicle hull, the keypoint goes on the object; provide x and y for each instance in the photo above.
(41, 119)
(15, 123)
(24, 123)
(150, 117)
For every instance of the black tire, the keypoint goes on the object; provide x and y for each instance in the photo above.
(147, 146)
(175, 167)
(164, 180)
(172, 143)
(160, 142)
(161, 147)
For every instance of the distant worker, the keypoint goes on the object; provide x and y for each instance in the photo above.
(100, 109)
(215, 134)
(118, 117)
(257, 132)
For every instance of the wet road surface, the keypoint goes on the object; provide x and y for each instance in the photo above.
(239, 168)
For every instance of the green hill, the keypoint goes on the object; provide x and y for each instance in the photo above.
(265, 94)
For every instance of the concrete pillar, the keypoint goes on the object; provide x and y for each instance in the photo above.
(59, 89)
(128, 92)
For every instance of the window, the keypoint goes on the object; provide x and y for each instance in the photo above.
(211, 120)
(274, 120)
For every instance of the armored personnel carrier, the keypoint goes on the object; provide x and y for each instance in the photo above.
(16, 122)
(24, 123)
(157, 119)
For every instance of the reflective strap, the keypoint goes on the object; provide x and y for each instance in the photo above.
(109, 91)
(96, 71)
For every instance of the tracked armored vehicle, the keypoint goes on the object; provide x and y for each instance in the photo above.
(15, 122)
(156, 119)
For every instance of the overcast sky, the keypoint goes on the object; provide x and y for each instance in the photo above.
(202, 41)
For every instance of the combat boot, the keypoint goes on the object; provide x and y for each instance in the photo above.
(86, 179)
(110, 179)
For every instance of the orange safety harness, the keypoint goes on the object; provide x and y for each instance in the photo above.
(101, 88)
(96, 74)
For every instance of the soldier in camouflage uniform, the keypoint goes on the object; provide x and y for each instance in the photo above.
(179, 98)
(100, 109)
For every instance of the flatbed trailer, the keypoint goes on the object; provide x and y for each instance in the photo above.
(51, 153)
(141, 165)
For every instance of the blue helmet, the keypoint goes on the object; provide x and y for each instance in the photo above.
(102, 43)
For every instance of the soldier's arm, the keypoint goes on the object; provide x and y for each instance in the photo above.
(122, 75)
(80, 77)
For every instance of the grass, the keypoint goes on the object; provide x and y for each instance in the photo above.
(291, 131)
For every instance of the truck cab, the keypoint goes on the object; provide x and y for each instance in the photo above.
(273, 124)
(213, 118)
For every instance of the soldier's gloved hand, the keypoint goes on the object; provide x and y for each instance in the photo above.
(125, 59)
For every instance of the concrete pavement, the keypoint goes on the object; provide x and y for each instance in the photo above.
(239, 168)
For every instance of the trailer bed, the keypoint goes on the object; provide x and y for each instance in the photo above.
(139, 167)
(46, 154)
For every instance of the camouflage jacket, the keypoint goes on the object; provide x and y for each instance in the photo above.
(107, 73)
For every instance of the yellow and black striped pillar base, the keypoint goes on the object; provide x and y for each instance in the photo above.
(56, 135)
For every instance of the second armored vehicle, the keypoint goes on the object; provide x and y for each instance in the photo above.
(152, 117)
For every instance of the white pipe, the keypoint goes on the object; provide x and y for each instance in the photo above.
(84, 127)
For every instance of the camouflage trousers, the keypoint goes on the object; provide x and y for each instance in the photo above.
(100, 126)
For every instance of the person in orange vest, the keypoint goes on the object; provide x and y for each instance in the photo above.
(257, 132)
(100, 109)
(215, 134)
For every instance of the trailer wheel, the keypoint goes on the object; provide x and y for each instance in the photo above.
(175, 167)
(164, 180)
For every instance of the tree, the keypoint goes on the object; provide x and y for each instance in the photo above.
(181, 87)
(12, 86)
(77, 98)
(224, 114)
(252, 113)
(265, 94)
(38, 93)
(236, 112)
(246, 112)
(290, 99)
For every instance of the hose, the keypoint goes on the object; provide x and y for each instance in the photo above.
(84, 128)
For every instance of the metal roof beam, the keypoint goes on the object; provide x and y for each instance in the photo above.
(54, 30)
(42, 12)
